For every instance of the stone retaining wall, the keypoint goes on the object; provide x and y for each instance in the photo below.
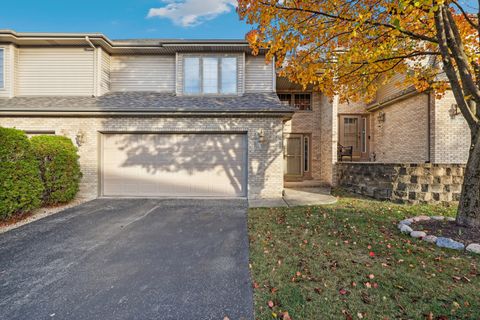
(411, 182)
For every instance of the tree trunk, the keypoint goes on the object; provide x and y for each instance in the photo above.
(469, 206)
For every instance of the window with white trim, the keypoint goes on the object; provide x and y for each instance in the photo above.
(2, 68)
(210, 75)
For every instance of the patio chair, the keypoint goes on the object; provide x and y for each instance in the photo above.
(345, 152)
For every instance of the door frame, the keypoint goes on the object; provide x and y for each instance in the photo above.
(303, 174)
(363, 129)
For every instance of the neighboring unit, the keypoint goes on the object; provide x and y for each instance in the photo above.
(151, 118)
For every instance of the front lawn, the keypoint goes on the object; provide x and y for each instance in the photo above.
(348, 261)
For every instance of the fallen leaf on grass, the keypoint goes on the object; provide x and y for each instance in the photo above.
(286, 316)
(270, 304)
(343, 291)
(347, 315)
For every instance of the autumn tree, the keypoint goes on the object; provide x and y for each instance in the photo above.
(348, 48)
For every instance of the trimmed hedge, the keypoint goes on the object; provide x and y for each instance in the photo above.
(59, 167)
(20, 185)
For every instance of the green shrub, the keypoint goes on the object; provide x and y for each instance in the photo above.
(59, 167)
(20, 185)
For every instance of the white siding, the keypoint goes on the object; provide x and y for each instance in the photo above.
(55, 71)
(240, 69)
(105, 73)
(143, 73)
(258, 74)
(2, 68)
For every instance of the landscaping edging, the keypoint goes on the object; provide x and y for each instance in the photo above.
(405, 226)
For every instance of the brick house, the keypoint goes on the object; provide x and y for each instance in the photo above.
(406, 146)
(207, 118)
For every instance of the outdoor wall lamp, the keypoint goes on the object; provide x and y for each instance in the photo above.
(261, 136)
(80, 138)
(381, 117)
(453, 111)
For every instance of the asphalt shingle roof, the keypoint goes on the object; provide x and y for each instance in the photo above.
(148, 101)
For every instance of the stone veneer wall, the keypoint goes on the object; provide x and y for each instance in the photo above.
(412, 183)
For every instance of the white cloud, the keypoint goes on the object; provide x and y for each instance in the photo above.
(189, 13)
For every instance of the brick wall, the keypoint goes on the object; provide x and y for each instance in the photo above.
(265, 160)
(403, 134)
(412, 183)
(308, 122)
(450, 134)
(328, 140)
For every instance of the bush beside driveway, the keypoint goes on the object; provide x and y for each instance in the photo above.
(41, 171)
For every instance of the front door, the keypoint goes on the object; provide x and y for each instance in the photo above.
(354, 132)
(293, 156)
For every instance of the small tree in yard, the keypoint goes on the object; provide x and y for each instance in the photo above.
(350, 47)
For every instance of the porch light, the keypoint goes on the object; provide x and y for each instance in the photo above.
(261, 136)
(80, 138)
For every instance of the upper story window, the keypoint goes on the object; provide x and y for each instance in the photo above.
(300, 101)
(210, 75)
(2, 68)
(285, 98)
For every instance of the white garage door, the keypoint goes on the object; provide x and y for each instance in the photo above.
(177, 165)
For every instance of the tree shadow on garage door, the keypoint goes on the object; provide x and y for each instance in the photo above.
(188, 156)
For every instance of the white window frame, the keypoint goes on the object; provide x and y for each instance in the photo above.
(219, 75)
(2, 65)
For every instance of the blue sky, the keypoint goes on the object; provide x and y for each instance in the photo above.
(122, 19)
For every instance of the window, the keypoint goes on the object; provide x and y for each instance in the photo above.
(285, 99)
(192, 75)
(364, 135)
(229, 75)
(300, 101)
(210, 75)
(306, 154)
(2, 72)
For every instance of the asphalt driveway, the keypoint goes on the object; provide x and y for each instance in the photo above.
(130, 259)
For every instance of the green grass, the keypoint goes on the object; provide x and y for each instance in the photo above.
(302, 259)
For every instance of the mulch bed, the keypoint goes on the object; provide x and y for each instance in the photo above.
(449, 229)
(14, 219)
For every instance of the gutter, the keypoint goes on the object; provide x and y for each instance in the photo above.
(383, 104)
(146, 113)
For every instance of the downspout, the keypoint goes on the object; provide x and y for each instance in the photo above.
(87, 38)
(429, 128)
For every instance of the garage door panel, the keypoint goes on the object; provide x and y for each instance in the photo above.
(174, 165)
